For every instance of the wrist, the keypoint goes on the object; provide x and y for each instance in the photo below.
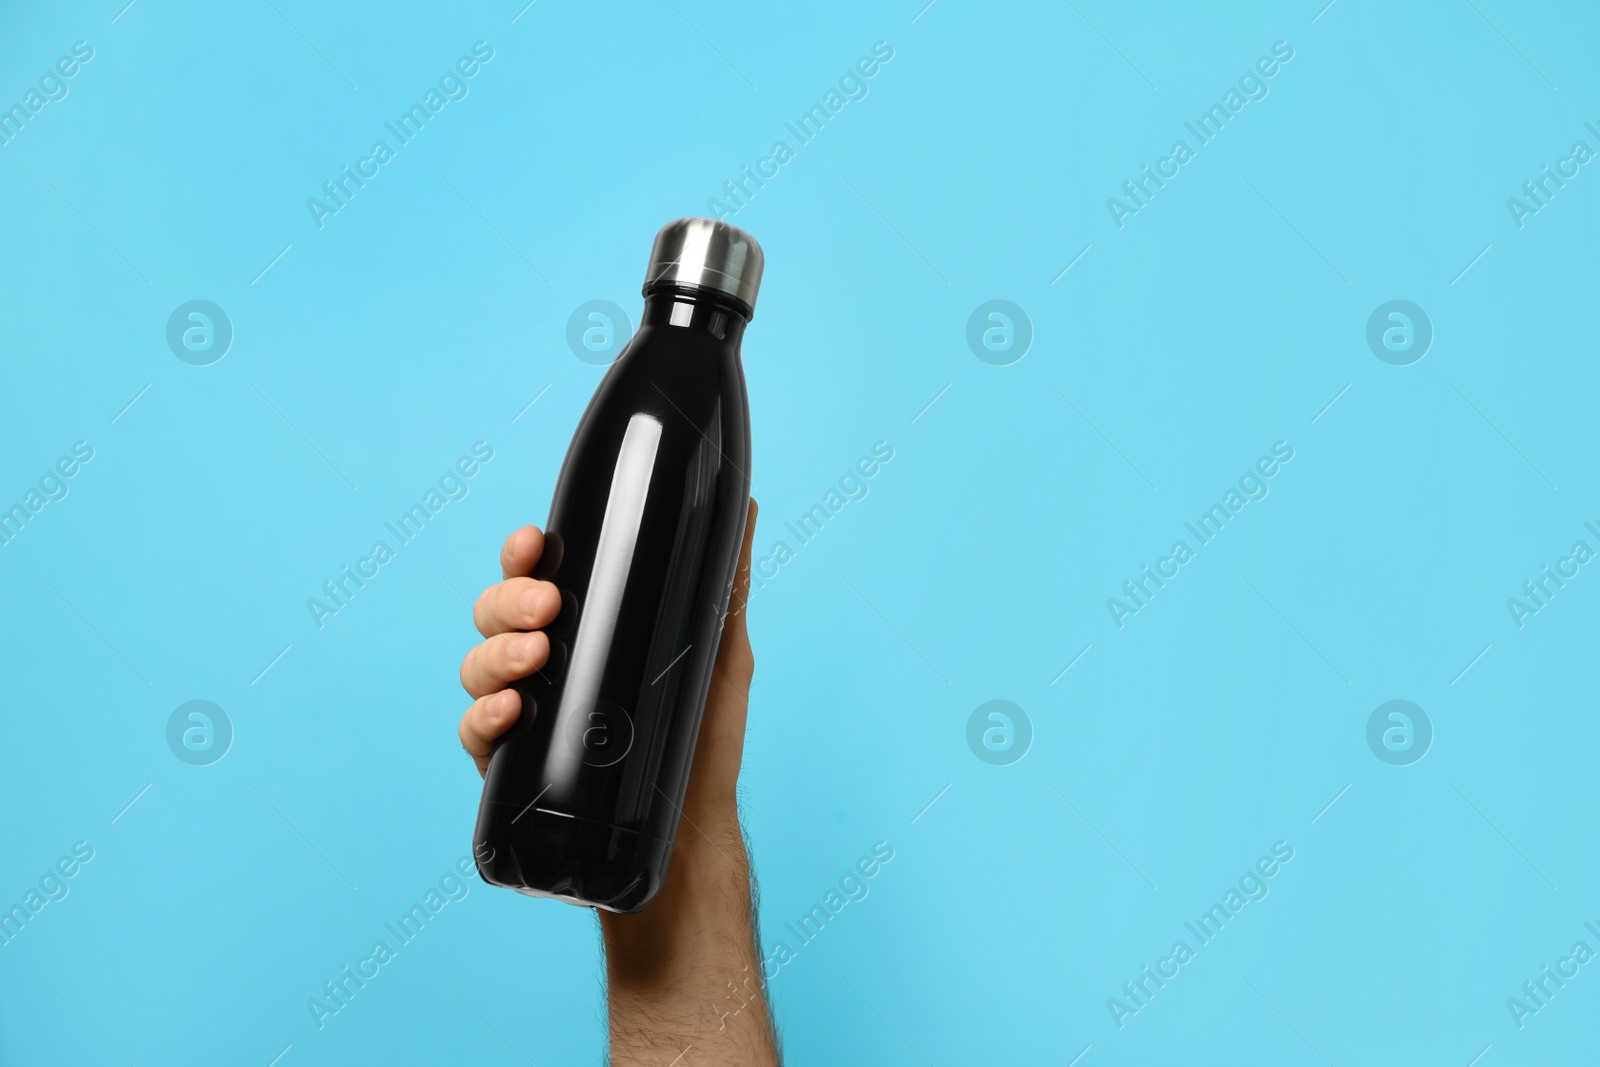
(706, 895)
(686, 970)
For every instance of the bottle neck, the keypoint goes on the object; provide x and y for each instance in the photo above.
(705, 311)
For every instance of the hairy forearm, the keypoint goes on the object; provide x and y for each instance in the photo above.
(684, 975)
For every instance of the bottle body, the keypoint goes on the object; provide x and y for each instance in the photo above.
(583, 795)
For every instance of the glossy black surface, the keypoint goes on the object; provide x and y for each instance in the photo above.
(582, 797)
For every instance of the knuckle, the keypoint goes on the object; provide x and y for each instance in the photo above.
(495, 610)
(516, 654)
(520, 655)
(530, 650)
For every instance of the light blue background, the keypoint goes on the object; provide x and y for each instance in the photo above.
(1224, 317)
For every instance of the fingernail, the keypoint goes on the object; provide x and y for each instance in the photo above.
(530, 602)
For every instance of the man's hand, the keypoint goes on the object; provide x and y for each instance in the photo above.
(685, 973)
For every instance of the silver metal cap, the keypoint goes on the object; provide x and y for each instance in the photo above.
(708, 253)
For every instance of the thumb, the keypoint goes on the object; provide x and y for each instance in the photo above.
(741, 580)
(735, 662)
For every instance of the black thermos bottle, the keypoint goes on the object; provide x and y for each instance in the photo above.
(583, 795)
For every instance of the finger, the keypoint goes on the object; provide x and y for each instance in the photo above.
(521, 551)
(501, 660)
(516, 604)
(485, 721)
